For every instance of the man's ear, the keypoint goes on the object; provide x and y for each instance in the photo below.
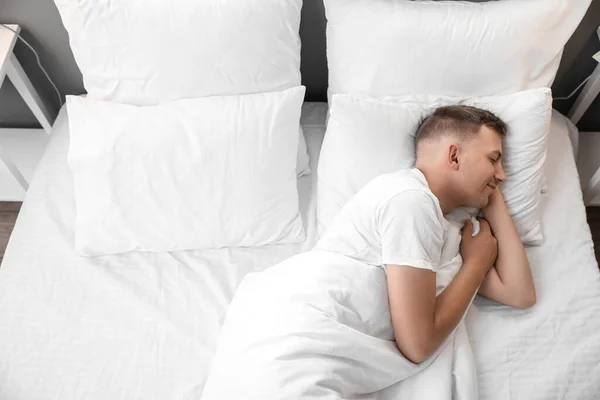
(453, 156)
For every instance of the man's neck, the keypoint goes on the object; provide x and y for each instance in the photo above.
(441, 189)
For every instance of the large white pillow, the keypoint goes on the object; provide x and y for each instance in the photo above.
(397, 47)
(155, 51)
(190, 174)
(367, 137)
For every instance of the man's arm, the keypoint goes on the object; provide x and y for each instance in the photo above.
(510, 281)
(421, 321)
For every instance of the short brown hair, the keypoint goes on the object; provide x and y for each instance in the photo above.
(462, 121)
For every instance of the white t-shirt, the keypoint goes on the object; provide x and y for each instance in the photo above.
(394, 219)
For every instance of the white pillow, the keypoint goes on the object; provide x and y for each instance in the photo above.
(396, 47)
(367, 137)
(190, 174)
(155, 51)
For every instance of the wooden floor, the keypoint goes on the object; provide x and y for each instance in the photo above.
(593, 217)
(8, 216)
(9, 212)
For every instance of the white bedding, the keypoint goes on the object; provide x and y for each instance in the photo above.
(144, 326)
(317, 326)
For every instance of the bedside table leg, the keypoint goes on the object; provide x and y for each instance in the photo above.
(587, 95)
(13, 169)
(17, 76)
(591, 189)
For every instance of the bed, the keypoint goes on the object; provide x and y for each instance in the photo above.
(144, 325)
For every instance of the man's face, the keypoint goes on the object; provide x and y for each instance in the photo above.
(481, 167)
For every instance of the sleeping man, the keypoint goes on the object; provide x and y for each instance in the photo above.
(377, 302)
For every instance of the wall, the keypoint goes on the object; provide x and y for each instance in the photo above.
(313, 63)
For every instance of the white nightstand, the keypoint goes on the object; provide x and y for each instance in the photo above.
(587, 95)
(21, 141)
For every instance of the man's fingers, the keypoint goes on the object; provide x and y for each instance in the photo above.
(468, 227)
(484, 225)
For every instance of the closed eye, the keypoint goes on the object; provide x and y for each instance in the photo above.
(495, 156)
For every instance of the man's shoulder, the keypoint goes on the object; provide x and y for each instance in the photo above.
(404, 189)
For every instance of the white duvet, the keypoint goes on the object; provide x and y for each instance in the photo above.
(317, 326)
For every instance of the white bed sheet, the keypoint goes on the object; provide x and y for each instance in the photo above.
(144, 326)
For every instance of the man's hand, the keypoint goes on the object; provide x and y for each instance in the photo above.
(495, 203)
(481, 250)
(511, 281)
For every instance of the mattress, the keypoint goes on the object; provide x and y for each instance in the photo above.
(144, 325)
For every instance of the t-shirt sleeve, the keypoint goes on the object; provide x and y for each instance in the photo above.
(411, 230)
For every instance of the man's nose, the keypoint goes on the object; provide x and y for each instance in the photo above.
(500, 172)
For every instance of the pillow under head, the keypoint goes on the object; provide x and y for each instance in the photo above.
(367, 137)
